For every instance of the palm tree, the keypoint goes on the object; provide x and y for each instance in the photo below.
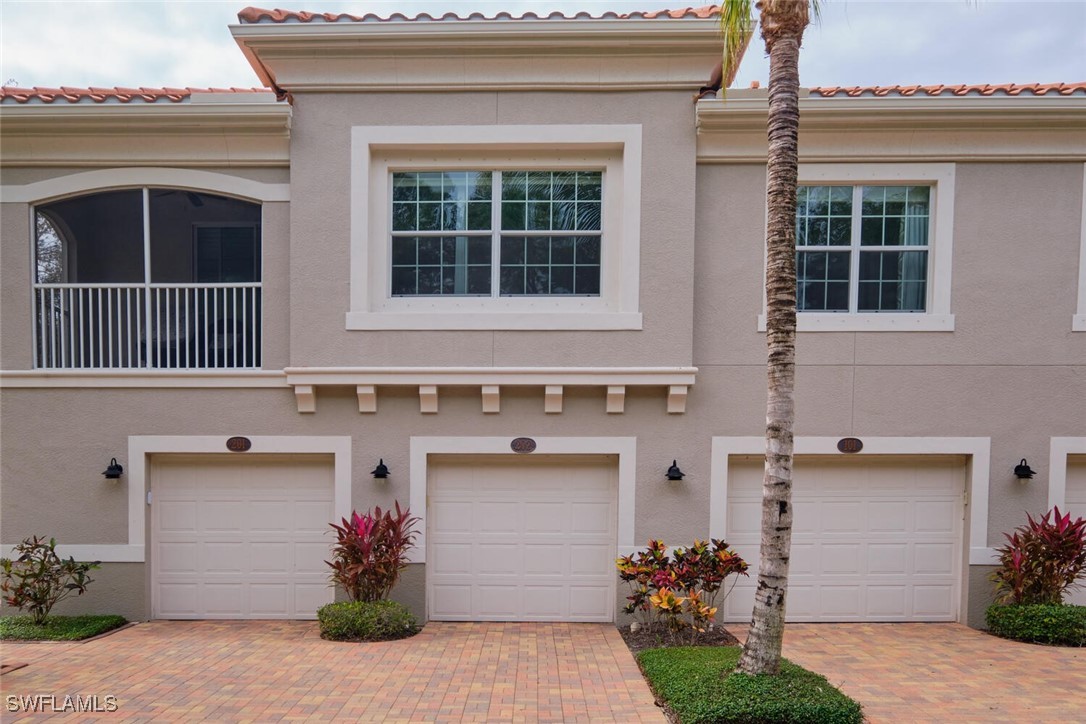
(782, 24)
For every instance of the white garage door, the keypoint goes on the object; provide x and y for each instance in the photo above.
(240, 536)
(872, 540)
(521, 540)
(1076, 505)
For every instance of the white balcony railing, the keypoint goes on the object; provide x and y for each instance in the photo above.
(160, 326)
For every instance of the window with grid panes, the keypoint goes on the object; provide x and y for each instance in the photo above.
(862, 248)
(496, 233)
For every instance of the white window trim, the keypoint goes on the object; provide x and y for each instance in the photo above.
(937, 318)
(377, 150)
(624, 447)
(978, 449)
(1078, 322)
(1059, 452)
(136, 478)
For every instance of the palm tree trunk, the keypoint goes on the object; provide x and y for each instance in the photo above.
(762, 652)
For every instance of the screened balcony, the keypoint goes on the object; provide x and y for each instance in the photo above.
(147, 278)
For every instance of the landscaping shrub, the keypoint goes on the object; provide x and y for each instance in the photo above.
(697, 686)
(370, 552)
(57, 628)
(39, 579)
(366, 621)
(1041, 560)
(680, 590)
(1043, 623)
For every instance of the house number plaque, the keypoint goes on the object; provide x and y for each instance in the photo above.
(850, 445)
(238, 444)
(523, 445)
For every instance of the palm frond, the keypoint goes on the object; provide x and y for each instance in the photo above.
(737, 26)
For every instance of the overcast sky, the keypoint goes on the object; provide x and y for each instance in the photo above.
(873, 42)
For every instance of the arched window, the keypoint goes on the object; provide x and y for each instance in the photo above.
(148, 277)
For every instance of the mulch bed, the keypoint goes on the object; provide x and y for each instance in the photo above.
(657, 637)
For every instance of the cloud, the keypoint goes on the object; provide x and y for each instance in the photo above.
(188, 43)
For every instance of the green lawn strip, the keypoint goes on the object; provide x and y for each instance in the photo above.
(693, 682)
(57, 628)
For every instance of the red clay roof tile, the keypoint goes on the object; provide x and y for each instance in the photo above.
(1008, 89)
(101, 95)
(253, 15)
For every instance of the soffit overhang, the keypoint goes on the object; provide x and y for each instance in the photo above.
(916, 128)
(541, 54)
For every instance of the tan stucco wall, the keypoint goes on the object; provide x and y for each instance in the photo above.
(1012, 369)
(320, 231)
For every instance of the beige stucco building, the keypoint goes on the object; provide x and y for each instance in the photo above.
(513, 260)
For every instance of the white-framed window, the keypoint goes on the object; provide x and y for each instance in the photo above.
(496, 233)
(495, 227)
(873, 247)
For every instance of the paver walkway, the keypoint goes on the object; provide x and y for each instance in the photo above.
(936, 672)
(270, 670)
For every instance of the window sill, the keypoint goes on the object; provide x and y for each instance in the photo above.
(888, 322)
(491, 321)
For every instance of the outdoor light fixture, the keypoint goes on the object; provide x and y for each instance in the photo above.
(673, 473)
(381, 471)
(114, 471)
(1023, 471)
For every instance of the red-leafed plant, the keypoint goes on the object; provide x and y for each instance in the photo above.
(679, 590)
(370, 552)
(1042, 560)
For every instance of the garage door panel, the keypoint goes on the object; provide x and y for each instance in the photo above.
(544, 530)
(744, 517)
(544, 518)
(224, 557)
(887, 559)
(256, 545)
(888, 516)
(838, 516)
(887, 602)
(860, 559)
(497, 559)
(936, 516)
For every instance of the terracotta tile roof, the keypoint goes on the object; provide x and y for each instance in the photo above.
(253, 15)
(1005, 89)
(103, 95)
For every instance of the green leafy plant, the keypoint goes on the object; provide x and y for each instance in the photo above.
(1041, 560)
(366, 621)
(370, 552)
(700, 685)
(1043, 623)
(38, 578)
(680, 590)
(58, 628)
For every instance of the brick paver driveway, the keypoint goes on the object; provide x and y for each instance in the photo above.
(942, 672)
(267, 670)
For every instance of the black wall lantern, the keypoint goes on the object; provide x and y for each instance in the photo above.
(114, 471)
(673, 473)
(381, 471)
(1023, 471)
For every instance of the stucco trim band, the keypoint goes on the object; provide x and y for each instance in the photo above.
(978, 449)
(141, 446)
(624, 447)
